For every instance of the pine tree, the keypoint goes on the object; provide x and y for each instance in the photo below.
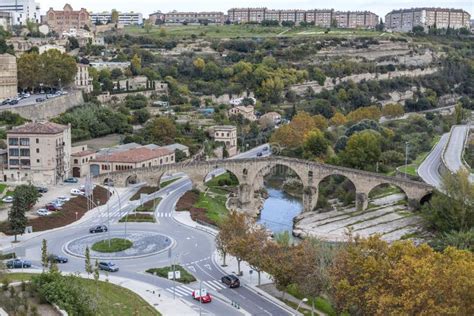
(44, 254)
(88, 261)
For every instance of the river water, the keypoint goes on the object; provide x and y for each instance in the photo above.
(279, 210)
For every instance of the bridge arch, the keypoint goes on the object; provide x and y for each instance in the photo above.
(335, 186)
(384, 190)
(131, 180)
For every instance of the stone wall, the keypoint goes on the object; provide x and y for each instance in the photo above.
(8, 76)
(106, 98)
(49, 108)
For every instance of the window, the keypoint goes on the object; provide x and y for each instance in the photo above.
(37, 161)
(75, 161)
(13, 152)
(13, 141)
(37, 140)
(14, 162)
(25, 152)
(24, 142)
(37, 150)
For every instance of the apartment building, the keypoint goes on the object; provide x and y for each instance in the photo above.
(404, 20)
(21, 11)
(323, 18)
(124, 18)
(212, 17)
(8, 76)
(226, 134)
(67, 19)
(83, 81)
(38, 152)
(6, 20)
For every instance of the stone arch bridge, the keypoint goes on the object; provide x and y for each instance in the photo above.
(250, 173)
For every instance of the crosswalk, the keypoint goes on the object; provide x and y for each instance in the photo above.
(184, 290)
(163, 214)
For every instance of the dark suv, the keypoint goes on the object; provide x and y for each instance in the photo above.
(98, 229)
(231, 281)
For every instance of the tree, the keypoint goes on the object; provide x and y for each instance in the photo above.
(24, 197)
(418, 30)
(73, 43)
(393, 110)
(458, 113)
(162, 130)
(116, 73)
(44, 254)
(363, 150)
(320, 122)
(236, 223)
(199, 64)
(88, 266)
(369, 112)
(114, 16)
(141, 116)
(338, 119)
(371, 277)
(315, 144)
(147, 26)
(136, 65)
(257, 240)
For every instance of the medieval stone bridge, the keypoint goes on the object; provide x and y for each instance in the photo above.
(250, 173)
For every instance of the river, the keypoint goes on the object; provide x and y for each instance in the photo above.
(279, 209)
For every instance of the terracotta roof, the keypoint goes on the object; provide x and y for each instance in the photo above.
(38, 128)
(134, 155)
(83, 153)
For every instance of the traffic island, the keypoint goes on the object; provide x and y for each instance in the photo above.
(135, 244)
(112, 245)
(184, 276)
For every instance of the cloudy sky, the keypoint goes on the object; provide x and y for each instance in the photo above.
(380, 7)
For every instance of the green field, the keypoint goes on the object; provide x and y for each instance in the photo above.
(112, 299)
(214, 205)
(116, 245)
(140, 218)
(245, 31)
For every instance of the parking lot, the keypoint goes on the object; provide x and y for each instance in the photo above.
(30, 100)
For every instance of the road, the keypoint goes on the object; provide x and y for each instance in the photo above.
(429, 170)
(454, 149)
(193, 249)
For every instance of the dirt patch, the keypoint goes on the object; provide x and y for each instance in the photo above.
(101, 142)
(187, 202)
(64, 217)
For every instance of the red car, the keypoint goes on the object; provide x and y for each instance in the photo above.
(202, 295)
(52, 207)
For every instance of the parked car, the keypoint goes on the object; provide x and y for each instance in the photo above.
(40, 100)
(57, 259)
(52, 207)
(43, 212)
(13, 102)
(63, 198)
(71, 180)
(5, 102)
(18, 263)
(57, 203)
(108, 266)
(76, 192)
(8, 199)
(202, 295)
(231, 281)
(98, 229)
(42, 189)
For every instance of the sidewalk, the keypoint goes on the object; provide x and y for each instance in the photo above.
(160, 299)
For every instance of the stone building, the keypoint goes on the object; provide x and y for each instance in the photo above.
(404, 20)
(8, 76)
(227, 135)
(38, 153)
(67, 19)
(81, 157)
(248, 112)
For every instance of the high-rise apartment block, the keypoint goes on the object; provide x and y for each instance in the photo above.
(21, 11)
(323, 18)
(404, 20)
(124, 18)
(67, 19)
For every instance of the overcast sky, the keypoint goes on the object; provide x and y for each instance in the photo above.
(380, 7)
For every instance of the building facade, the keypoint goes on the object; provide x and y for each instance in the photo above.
(21, 11)
(404, 20)
(67, 19)
(8, 76)
(212, 17)
(83, 81)
(227, 135)
(247, 112)
(81, 157)
(322, 18)
(39, 153)
(124, 18)
(6, 20)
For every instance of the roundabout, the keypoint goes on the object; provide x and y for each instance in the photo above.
(137, 244)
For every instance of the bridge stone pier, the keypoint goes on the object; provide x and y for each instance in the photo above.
(250, 174)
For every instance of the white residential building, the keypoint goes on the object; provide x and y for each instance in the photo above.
(21, 10)
(124, 18)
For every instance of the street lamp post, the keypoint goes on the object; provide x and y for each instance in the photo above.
(406, 158)
(304, 300)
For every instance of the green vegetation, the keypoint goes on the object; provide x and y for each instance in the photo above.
(226, 179)
(88, 297)
(164, 184)
(136, 217)
(116, 245)
(2, 187)
(24, 197)
(5, 256)
(214, 205)
(149, 206)
(186, 277)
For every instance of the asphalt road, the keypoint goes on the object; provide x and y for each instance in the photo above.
(193, 249)
(455, 147)
(429, 168)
